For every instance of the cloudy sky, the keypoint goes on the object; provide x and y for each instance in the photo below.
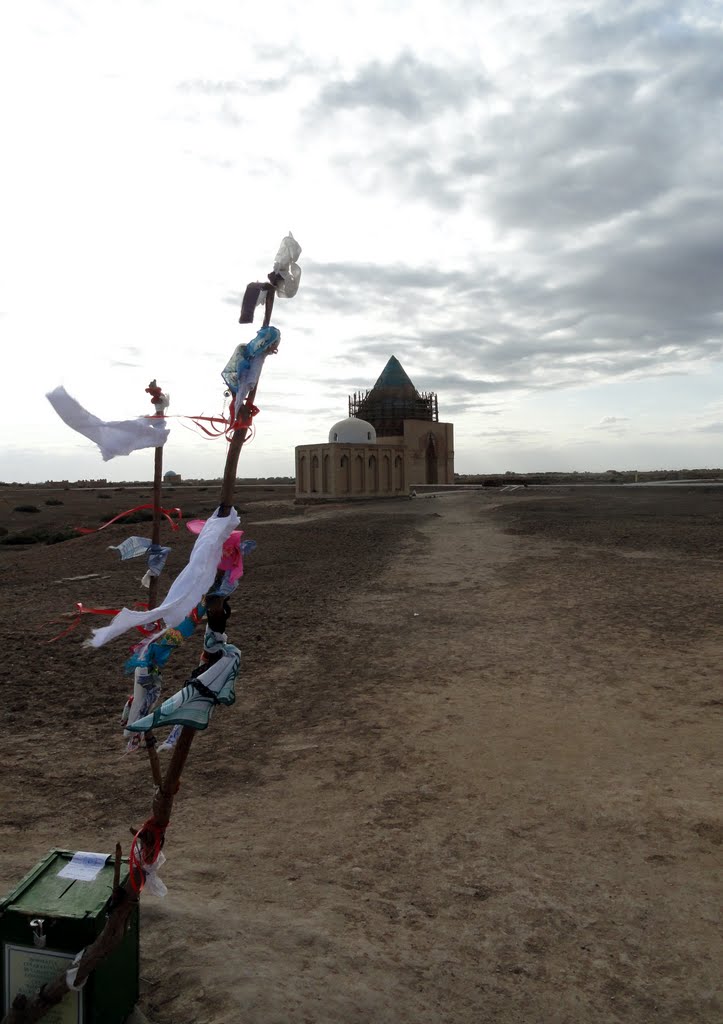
(520, 200)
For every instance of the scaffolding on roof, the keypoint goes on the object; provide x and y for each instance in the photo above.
(387, 410)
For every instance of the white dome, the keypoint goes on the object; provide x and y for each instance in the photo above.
(353, 431)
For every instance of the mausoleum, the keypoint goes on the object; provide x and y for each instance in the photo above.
(392, 440)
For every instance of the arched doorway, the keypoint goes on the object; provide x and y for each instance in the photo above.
(373, 474)
(358, 474)
(325, 467)
(431, 458)
(398, 473)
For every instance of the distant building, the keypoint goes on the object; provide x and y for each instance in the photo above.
(171, 478)
(391, 441)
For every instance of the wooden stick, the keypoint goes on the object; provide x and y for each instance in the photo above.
(153, 758)
(149, 738)
(156, 532)
(27, 1011)
(117, 866)
(173, 773)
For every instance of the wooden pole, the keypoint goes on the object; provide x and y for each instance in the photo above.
(157, 399)
(27, 1011)
(117, 866)
(156, 531)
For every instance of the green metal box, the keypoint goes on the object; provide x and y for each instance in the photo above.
(45, 921)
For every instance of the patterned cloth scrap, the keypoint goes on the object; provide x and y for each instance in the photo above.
(233, 569)
(153, 653)
(132, 547)
(208, 686)
(157, 556)
(171, 739)
(146, 691)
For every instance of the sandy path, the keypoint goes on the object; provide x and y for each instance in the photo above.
(501, 809)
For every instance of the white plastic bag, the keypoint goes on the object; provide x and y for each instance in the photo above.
(285, 264)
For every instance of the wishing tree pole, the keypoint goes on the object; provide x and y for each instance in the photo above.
(147, 842)
(160, 404)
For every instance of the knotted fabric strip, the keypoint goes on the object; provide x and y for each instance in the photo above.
(187, 589)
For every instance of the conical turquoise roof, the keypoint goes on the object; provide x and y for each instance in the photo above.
(394, 378)
(391, 401)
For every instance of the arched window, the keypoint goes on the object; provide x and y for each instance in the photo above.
(345, 475)
(358, 475)
(325, 466)
(398, 473)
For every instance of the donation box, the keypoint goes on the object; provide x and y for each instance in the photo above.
(58, 909)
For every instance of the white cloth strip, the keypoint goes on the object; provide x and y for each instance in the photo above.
(186, 590)
(116, 437)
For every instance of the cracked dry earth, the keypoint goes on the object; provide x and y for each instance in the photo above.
(470, 775)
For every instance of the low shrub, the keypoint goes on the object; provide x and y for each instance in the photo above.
(54, 501)
(26, 508)
(143, 515)
(58, 536)
(41, 535)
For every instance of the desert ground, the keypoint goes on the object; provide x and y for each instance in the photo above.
(471, 776)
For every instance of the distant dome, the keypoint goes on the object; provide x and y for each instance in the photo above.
(353, 431)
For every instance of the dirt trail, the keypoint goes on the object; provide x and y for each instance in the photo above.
(475, 785)
(504, 813)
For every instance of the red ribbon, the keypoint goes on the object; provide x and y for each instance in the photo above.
(220, 426)
(148, 837)
(82, 610)
(167, 512)
(246, 415)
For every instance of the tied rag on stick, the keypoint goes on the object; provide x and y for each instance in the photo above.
(149, 839)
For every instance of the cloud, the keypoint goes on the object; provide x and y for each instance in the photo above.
(511, 436)
(598, 174)
(612, 322)
(406, 86)
(612, 424)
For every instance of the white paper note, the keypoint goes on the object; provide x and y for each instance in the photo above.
(84, 867)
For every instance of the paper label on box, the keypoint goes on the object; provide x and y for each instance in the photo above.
(84, 866)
